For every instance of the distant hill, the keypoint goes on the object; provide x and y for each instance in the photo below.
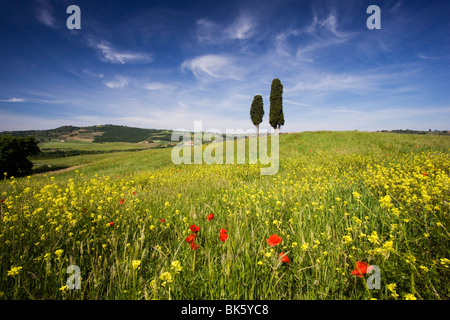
(98, 133)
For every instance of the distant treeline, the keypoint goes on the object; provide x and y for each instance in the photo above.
(125, 134)
(435, 132)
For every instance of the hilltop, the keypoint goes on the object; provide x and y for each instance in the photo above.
(97, 133)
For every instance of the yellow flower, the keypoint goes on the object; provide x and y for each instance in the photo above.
(166, 276)
(388, 245)
(136, 264)
(305, 247)
(445, 262)
(392, 288)
(356, 195)
(14, 271)
(424, 268)
(410, 296)
(176, 266)
(373, 238)
(347, 239)
(385, 202)
(59, 252)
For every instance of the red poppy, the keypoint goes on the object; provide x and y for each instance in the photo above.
(194, 228)
(162, 220)
(223, 237)
(134, 192)
(273, 240)
(110, 224)
(194, 246)
(284, 257)
(424, 174)
(210, 216)
(121, 201)
(2, 200)
(222, 231)
(361, 268)
(191, 238)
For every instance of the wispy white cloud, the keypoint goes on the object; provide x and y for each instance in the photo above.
(322, 81)
(44, 13)
(118, 82)
(158, 86)
(213, 67)
(426, 57)
(111, 55)
(13, 100)
(242, 27)
(296, 103)
(326, 34)
(93, 74)
(327, 25)
(319, 34)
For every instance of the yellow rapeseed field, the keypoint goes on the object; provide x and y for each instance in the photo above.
(308, 232)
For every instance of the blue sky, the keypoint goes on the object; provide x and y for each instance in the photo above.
(166, 64)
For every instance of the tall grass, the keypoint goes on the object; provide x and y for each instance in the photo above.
(328, 203)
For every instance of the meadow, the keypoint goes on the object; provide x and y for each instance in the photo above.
(140, 227)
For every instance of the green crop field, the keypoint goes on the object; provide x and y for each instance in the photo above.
(139, 227)
(89, 146)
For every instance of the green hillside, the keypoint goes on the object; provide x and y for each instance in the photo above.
(98, 133)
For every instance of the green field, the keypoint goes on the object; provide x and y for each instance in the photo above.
(124, 219)
(90, 146)
(62, 155)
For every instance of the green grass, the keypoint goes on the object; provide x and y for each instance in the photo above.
(327, 202)
(91, 146)
(76, 153)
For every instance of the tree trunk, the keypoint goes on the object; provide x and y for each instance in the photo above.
(257, 130)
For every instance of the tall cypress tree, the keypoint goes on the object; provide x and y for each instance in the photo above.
(257, 112)
(276, 116)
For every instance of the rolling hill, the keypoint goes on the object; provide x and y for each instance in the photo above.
(98, 133)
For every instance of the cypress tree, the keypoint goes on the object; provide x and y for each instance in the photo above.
(276, 116)
(257, 112)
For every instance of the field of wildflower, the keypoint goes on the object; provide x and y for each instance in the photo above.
(138, 228)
